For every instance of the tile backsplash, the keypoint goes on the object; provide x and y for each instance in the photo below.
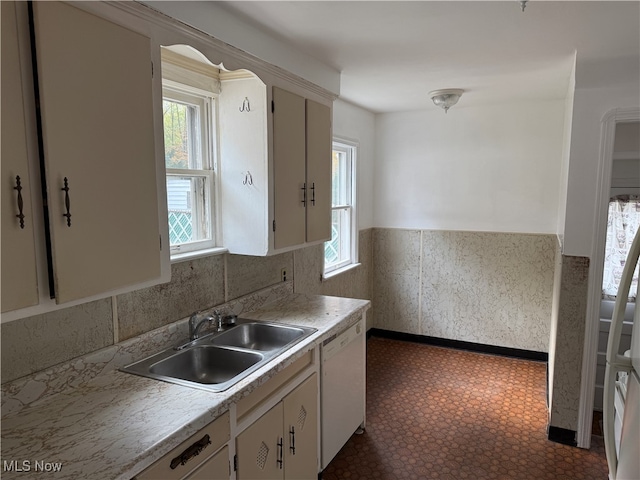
(194, 285)
(37, 343)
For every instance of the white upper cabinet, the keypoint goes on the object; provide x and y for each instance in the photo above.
(95, 81)
(290, 191)
(90, 134)
(276, 175)
(301, 170)
(19, 281)
(83, 131)
(318, 170)
(243, 164)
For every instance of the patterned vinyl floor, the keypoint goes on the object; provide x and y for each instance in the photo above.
(437, 413)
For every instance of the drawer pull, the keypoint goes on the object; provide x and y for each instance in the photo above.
(18, 188)
(190, 452)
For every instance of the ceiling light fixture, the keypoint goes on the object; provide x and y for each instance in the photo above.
(523, 4)
(446, 98)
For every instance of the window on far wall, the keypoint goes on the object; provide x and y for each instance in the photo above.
(341, 250)
(187, 119)
(622, 225)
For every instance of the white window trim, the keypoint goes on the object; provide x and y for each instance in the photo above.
(210, 152)
(338, 271)
(352, 262)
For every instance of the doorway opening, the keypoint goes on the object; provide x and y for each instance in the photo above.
(620, 180)
(623, 220)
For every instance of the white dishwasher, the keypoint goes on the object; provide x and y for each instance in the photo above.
(342, 389)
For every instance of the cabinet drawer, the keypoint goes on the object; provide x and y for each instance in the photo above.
(219, 434)
(264, 391)
(216, 468)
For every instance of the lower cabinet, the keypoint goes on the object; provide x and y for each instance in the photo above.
(283, 443)
(204, 455)
(280, 444)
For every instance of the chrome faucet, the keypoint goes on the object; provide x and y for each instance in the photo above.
(195, 325)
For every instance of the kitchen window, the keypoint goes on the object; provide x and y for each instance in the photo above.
(189, 141)
(341, 251)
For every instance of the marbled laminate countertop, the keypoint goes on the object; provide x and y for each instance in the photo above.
(117, 424)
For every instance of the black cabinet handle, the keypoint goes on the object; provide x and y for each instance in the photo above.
(190, 452)
(313, 194)
(279, 461)
(292, 432)
(67, 202)
(18, 188)
(304, 194)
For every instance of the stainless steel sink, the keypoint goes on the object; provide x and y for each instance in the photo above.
(259, 336)
(217, 361)
(206, 364)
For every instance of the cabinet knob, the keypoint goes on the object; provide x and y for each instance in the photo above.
(18, 188)
(67, 201)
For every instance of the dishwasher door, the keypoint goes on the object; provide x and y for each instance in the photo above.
(342, 389)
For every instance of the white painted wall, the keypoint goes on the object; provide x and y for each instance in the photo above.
(213, 19)
(354, 123)
(590, 106)
(486, 168)
(566, 151)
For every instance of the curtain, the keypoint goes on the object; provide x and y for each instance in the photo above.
(622, 225)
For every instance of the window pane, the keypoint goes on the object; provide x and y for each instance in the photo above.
(340, 179)
(338, 249)
(188, 216)
(622, 224)
(181, 135)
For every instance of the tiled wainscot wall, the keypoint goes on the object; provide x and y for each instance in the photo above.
(36, 343)
(567, 341)
(487, 288)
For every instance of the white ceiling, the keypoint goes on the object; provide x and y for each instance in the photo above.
(392, 53)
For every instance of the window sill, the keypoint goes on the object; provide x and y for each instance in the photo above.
(338, 271)
(208, 252)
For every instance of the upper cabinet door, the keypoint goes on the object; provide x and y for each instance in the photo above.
(290, 190)
(95, 81)
(318, 136)
(19, 282)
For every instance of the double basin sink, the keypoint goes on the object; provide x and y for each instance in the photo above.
(217, 361)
